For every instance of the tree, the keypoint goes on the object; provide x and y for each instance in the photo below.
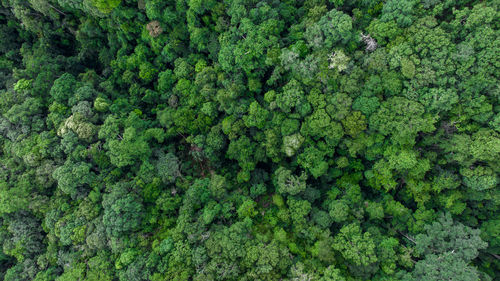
(402, 119)
(168, 167)
(63, 88)
(286, 182)
(354, 124)
(257, 116)
(448, 248)
(445, 266)
(479, 178)
(356, 247)
(290, 97)
(246, 152)
(387, 255)
(399, 11)
(338, 210)
(445, 236)
(313, 160)
(24, 239)
(332, 274)
(166, 80)
(480, 146)
(106, 6)
(131, 148)
(317, 123)
(334, 27)
(25, 270)
(72, 177)
(123, 210)
(247, 209)
(100, 267)
(338, 60)
(292, 143)
(79, 125)
(299, 209)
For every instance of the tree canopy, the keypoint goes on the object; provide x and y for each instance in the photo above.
(331, 140)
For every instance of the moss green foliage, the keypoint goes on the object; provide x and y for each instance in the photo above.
(331, 140)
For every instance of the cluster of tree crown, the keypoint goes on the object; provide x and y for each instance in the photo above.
(299, 140)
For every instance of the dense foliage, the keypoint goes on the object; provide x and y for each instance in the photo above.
(330, 140)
